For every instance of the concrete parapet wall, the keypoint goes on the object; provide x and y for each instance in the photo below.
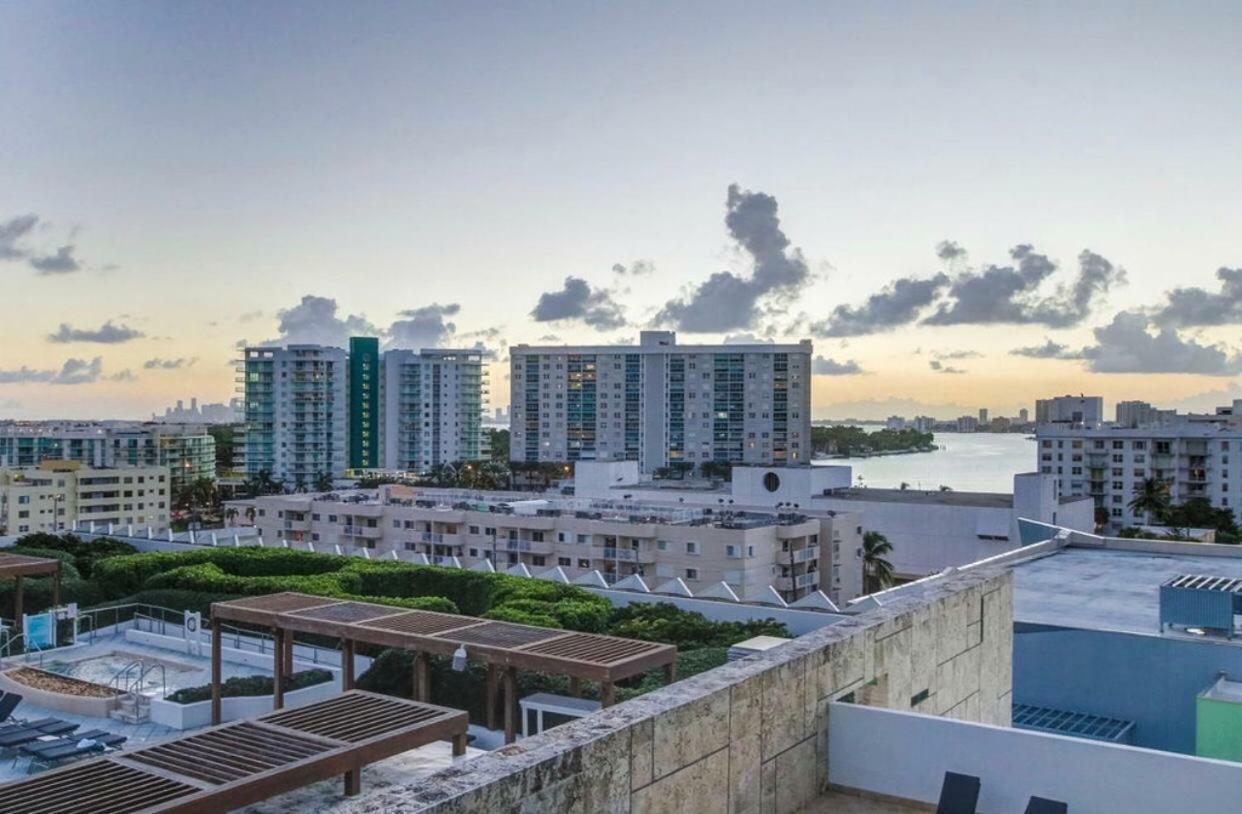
(750, 737)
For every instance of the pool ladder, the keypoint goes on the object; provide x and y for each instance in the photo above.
(135, 707)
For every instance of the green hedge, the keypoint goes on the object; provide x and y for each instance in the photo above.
(84, 555)
(253, 571)
(663, 622)
(250, 685)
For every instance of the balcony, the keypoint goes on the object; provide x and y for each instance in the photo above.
(806, 554)
(369, 532)
(621, 554)
(801, 581)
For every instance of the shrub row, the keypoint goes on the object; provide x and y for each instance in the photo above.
(253, 571)
(250, 685)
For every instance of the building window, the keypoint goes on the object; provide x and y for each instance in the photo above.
(692, 573)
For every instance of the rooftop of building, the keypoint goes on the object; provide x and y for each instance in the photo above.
(990, 500)
(1111, 589)
(665, 342)
(535, 505)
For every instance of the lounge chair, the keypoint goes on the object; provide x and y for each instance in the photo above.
(8, 705)
(90, 742)
(15, 735)
(959, 794)
(1042, 805)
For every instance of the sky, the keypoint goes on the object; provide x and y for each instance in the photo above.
(961, 204)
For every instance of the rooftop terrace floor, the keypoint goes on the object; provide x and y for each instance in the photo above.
(1104, 590)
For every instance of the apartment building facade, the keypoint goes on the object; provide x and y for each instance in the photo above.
(188, 450)
(1069, 410)
(295, 401)
(1197, 456)
(748, 551)
(56, 494)
(432, 408)
(660, 403)
(315, 412)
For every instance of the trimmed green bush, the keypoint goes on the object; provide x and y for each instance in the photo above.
(664, 622)
(250, 685)
(252, 571)
(84, 554)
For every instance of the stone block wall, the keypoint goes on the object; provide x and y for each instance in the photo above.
(750, 737)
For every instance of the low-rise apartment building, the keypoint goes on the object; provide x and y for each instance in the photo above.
(56, 495)
(748, 551)
(928, 530)
(1197, 456)
(188, 450)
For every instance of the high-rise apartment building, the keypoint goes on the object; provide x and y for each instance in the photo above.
(660, 403)
(296, 413)
(364, 400)
(188, 450)
(1069, 410)
(432, 408)
(1141, 414)
(314, 412)
(1197, 456)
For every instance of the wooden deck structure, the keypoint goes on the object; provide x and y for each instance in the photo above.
(19, 566)
(504, 647)
(226, 767)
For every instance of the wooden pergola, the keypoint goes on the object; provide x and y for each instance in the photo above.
(504, 647)
(226, 767)
(19, 566)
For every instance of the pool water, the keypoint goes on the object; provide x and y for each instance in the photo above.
(105, 669)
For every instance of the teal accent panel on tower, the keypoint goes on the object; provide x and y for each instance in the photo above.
(364, 371)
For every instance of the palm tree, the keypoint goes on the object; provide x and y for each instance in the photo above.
(1152, 499)
(877, 570)
(323, 482)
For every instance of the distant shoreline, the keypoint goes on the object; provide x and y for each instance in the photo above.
(880, 453)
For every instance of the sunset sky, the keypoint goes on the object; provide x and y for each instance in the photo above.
(962, 204)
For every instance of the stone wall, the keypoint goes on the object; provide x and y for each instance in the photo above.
(751, 736)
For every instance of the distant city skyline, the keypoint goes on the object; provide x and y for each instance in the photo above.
(962, 206)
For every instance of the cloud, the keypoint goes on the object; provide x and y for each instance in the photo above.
(1193, 307)
(125, 375)
(13, 230)
(956, 354)
(823, 366)
(1048, 350)
(73, 371)
(727, 301)
(1008, 294)
(250, 316)
(313, 321)
(424, 327)
(576, 300)
(79, 371)
(549, 338)
(62, 262)
(107, 334)
(1126, 346)
(898, 303)
(746, 339)
(940, 367)
(169, 364)
(636, 269)
(949, 250)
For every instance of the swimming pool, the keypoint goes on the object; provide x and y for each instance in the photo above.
(105, 668)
